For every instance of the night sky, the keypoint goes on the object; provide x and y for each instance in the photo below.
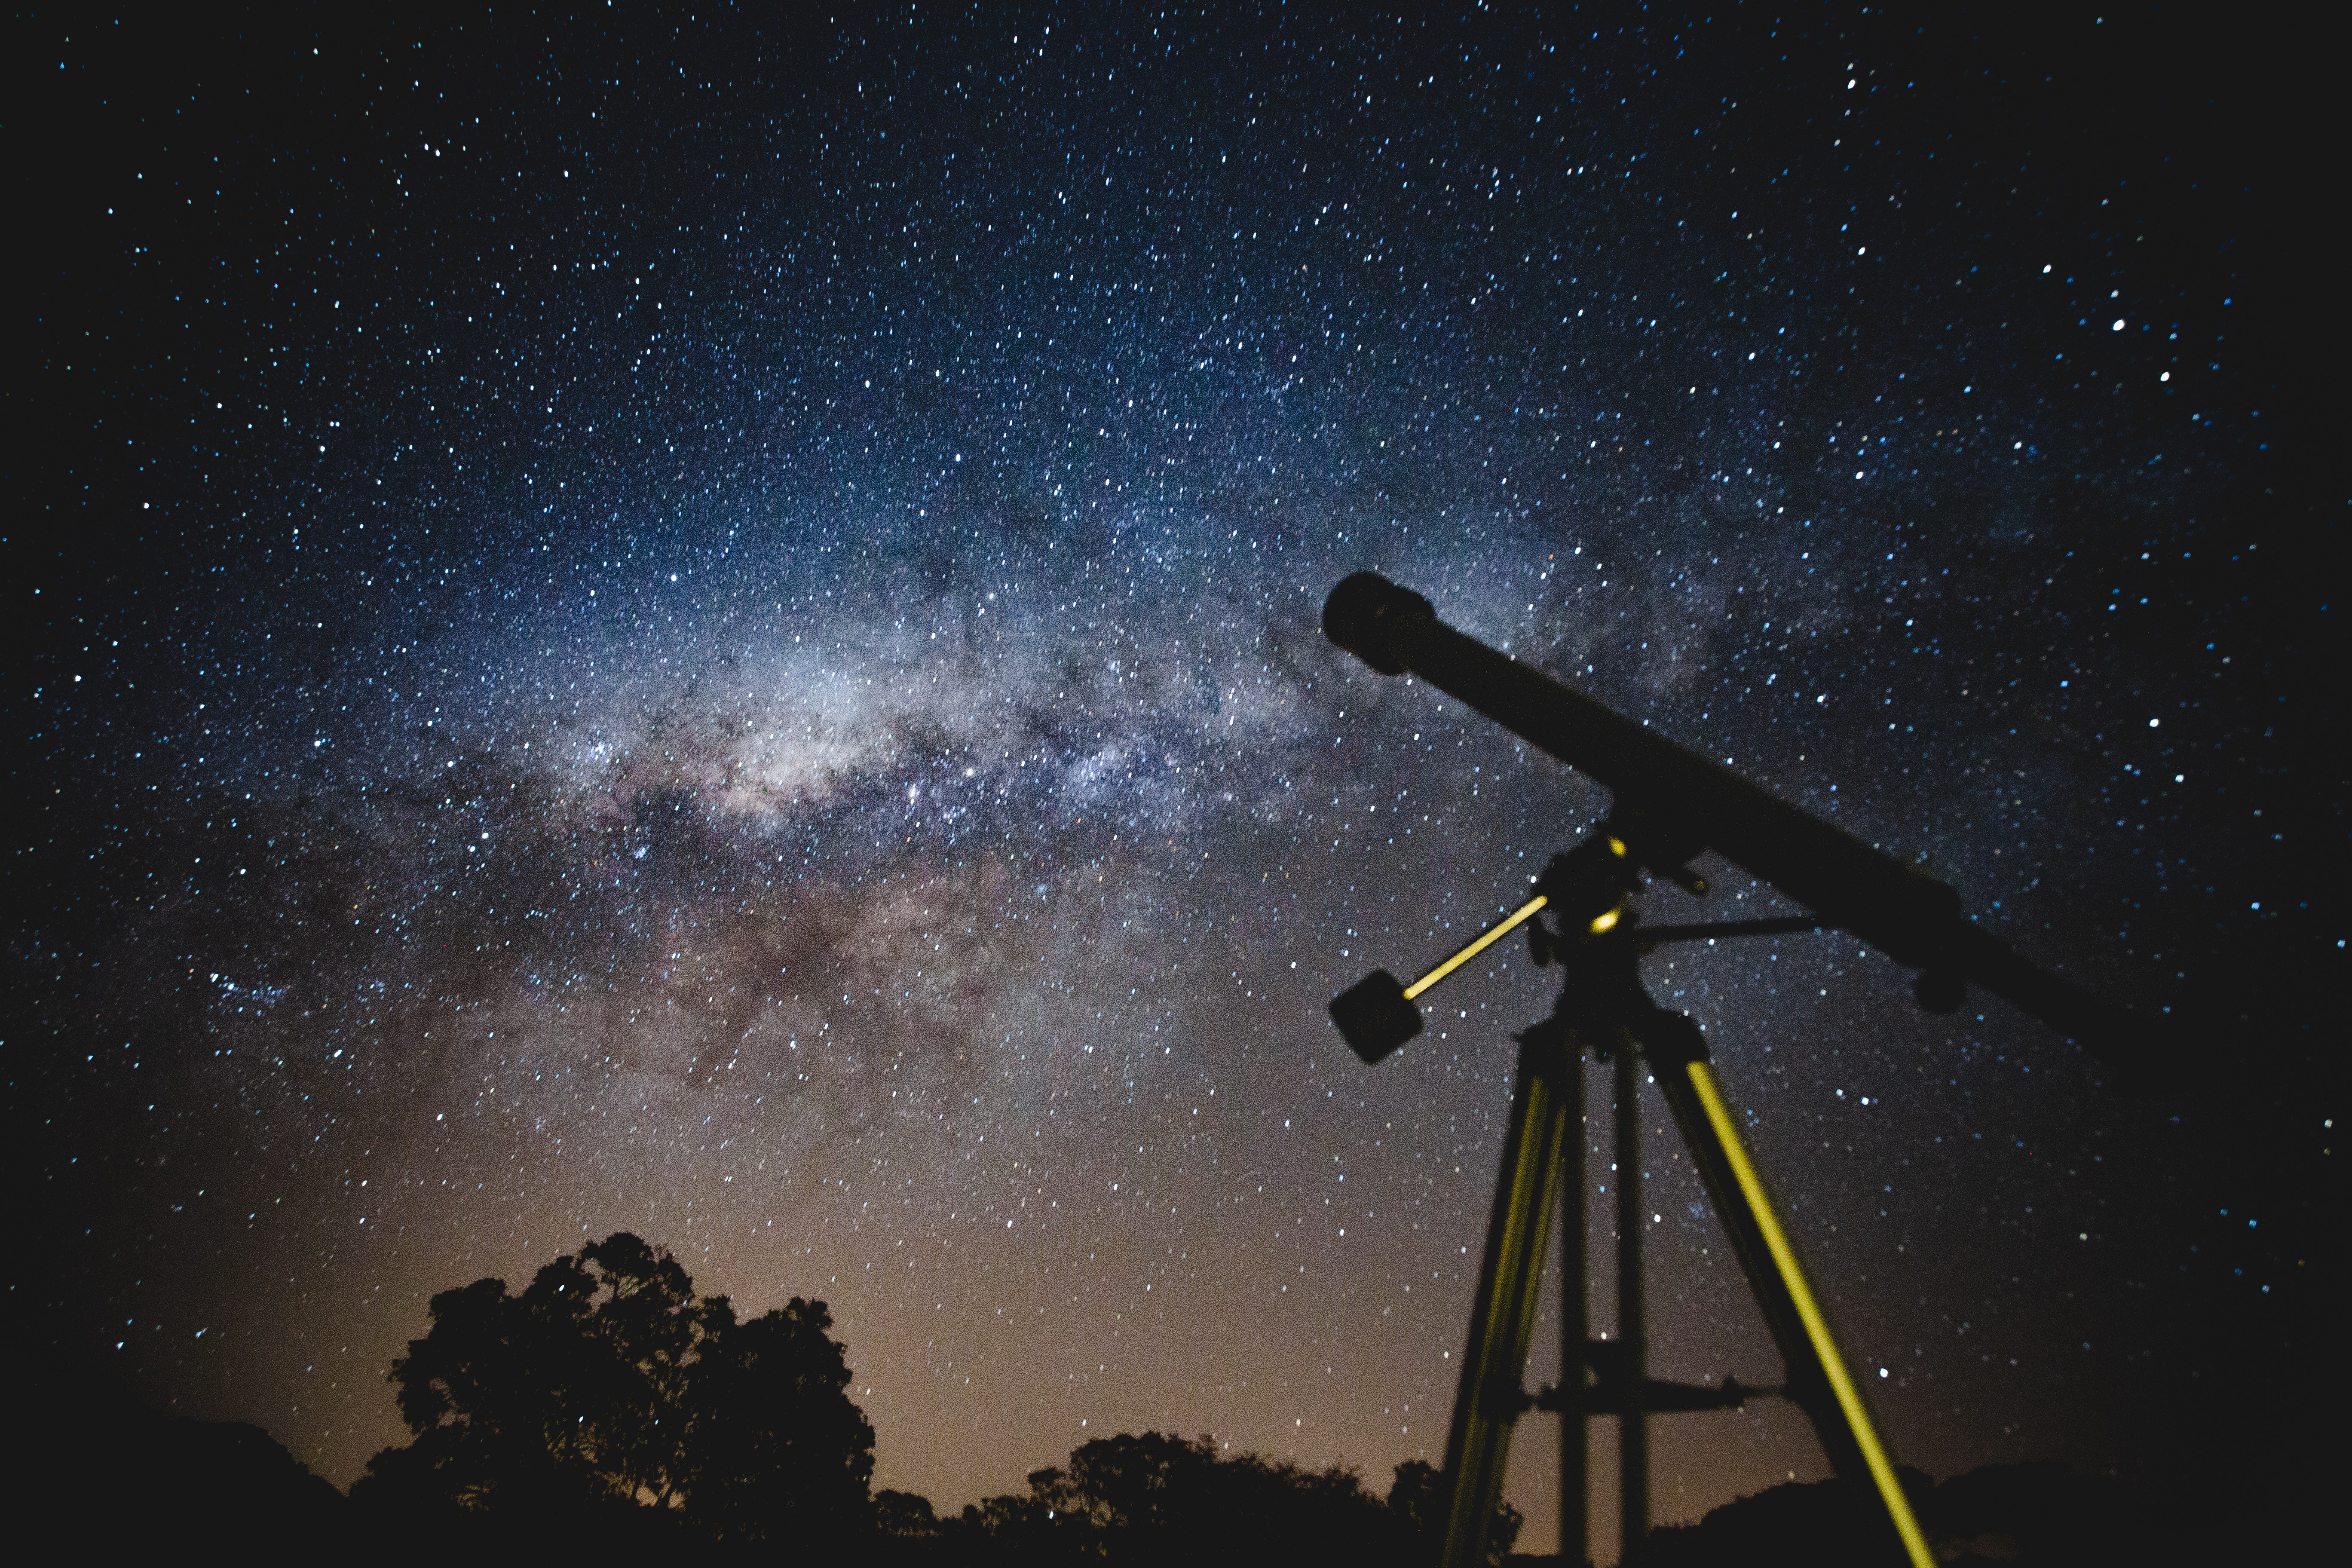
(709, 625)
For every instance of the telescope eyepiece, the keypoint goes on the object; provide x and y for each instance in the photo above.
(1358, 613)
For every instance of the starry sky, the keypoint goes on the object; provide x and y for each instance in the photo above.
(705, 621)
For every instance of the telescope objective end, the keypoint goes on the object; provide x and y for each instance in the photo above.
(1357, 614)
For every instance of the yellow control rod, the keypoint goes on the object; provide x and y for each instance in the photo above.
(1809, 1312)
(1485, 940)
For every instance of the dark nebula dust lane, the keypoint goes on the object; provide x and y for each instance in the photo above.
(709, 625)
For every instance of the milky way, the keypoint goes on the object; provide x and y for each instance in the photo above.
(714, 632)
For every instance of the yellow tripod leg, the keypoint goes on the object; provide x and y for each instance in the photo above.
(1755, 1208)
(1489, 1399)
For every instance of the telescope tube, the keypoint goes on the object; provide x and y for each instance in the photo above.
(1694, 804)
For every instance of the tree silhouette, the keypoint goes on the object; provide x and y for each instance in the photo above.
(1417, 1500)
(905, 1515)
(1156, 1498)
(610, 1384)
(775, 1447)
(655, 1333)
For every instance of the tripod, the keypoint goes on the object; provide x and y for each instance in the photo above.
(1670, 804)
(1603, 1010)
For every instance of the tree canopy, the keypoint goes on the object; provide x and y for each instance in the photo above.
(610, 1384)
(1153, 1499)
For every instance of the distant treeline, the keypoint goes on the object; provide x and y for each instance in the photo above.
(607, 1405)
(172, 1483)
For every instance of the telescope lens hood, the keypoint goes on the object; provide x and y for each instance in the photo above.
(1358, 613)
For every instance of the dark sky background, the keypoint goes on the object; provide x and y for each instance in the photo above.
(706, 624)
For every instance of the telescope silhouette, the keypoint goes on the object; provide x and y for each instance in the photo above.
(1669, 803)
(1680, 803)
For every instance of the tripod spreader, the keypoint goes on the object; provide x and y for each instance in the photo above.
(1659, 1397)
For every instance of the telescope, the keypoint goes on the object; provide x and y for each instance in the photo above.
(1680, 804)
(1669, 804)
